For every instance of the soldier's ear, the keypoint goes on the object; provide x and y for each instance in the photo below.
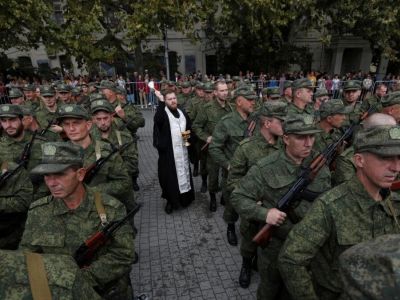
(359, 160)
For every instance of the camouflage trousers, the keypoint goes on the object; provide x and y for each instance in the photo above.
(213, 175)
(271, 284)
(230, 214)
(248, 230)
(135, 164)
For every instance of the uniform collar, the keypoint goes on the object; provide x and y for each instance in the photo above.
(83, 209)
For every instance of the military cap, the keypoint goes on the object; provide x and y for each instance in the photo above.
(273, 92)
(352, 85)
(333, 107)
(185, 84)
(321, 92)
(29, 87)
(171, 83)
(193, 82)
(236, 78)
(107, 84)
(245, 91)
(228, 80)
(300, 124)
(10, 110)
(370, 270)
(76, 91)
(47, 90)
(302, 83)
(15, 93)
(58, 156)
(208, 87)
(101, 105)
(381, 140)
(391, 99)
(199, 85)
(92, 84)
(72, 111)
(120, 90)
(28, 110)
(64, 88)
(247, 81)
(287, 84)
(95, 96)
(274, 109)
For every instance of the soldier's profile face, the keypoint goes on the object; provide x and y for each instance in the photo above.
(17, 101)
(49, 101)
(336, 120)
(63, 184)
(221, 91)
(378, 172)
(13, 127)
(29, 94)
(76, 129)
(305, 94)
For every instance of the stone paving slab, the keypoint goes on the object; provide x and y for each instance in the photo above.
(184, 255)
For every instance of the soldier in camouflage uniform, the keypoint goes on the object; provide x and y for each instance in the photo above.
(320, 96)
(273, 93)
(60, 223)
(287, 91)
(356, 211)
(105, 130)
(65, 280)
(112, 178)
(48, 112)
(16, 97)
(203, 126)
(31, 98)
(391, 105)
(351, 95)
(184, 97)
(126, 116)
(64, 95)
(15, 199)
(227, 135)
(375, 100)
(302, 90)
(369, 270)
(249, 151)
(256, 195)
(332, 116)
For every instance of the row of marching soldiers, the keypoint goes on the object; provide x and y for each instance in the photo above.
(254, 150)
(69, 170)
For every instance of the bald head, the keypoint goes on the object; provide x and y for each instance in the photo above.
(378, 119)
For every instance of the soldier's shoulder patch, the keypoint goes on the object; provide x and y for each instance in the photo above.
(111, 201)
(41, 202)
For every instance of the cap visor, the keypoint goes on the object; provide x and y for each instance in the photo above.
(44, 169)
(304, 132)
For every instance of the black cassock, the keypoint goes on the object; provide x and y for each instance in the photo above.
(166, 163)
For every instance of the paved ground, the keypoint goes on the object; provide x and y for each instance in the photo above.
(184, 255)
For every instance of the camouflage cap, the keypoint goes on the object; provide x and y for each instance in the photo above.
(47, 90)
(333, 107)
(84, 84)
(228, 80)
(273, 92)
(370, 270)
(15, 93)
(76, 91)
(200, 85)
(274, 109)
(208, 87)
(186, 84)
(120, 90)
(28, 110)
(352, 85)
(96, 96)
(193, 82)
(236, 78)
(300, 124)
(75, 111)
(107, 84)
(302, 83)
(29, 87)
(321, 92)
(10, 111)
(391, 99)
(381, 140)
(287, 84)
(245, 91)
(58, 156)
(101, 105)
(171, 83)
(63, 88)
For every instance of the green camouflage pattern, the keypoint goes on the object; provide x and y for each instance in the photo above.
(345, 167)
(369, 270)
(267, 181)
(15, 199)
(380, 140)
(52, 228)
(294, 110)
(340, 218)
(10, 111)
(302, 83)
(66, 280)
(391, 99)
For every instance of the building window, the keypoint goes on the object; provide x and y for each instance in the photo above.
(190, 64)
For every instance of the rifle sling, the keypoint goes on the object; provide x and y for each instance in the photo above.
(37, 277)
(100, 208)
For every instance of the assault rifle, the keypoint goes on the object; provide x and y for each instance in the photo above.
(251, 125)
(22, 161)
(49, 124)
(307, 175)
(94, 168)
(86, 251)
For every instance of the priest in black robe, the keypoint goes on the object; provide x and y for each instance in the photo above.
(171, 137)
